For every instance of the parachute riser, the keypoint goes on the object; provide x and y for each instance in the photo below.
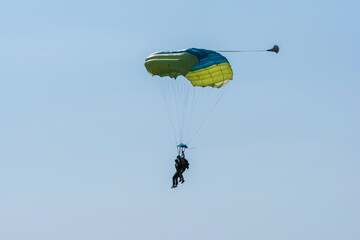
(181, 150)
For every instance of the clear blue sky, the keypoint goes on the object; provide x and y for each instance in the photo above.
(86, 151)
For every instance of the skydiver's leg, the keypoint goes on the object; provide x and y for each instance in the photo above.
(181, 176)
(175, 180)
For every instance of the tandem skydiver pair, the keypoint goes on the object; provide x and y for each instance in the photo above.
(181, 164)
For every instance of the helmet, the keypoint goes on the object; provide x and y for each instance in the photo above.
(178, 157)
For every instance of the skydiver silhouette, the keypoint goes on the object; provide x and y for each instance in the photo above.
(177, 173)
(184, 164)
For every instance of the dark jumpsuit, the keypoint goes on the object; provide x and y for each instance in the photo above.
(182, 169)
(176, 175)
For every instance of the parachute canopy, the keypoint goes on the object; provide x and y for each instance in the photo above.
(201, 67)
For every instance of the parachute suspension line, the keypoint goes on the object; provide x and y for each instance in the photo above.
(171, 105)
(187, 113)
(182, 112)
(189, 116)
(180, 108)
(179, 92)
(163, 87)
(204, 102)
(194, 101)
(173, 93)
(219, 95)
(187, 106)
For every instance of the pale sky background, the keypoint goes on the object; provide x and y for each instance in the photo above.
(86, 150)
